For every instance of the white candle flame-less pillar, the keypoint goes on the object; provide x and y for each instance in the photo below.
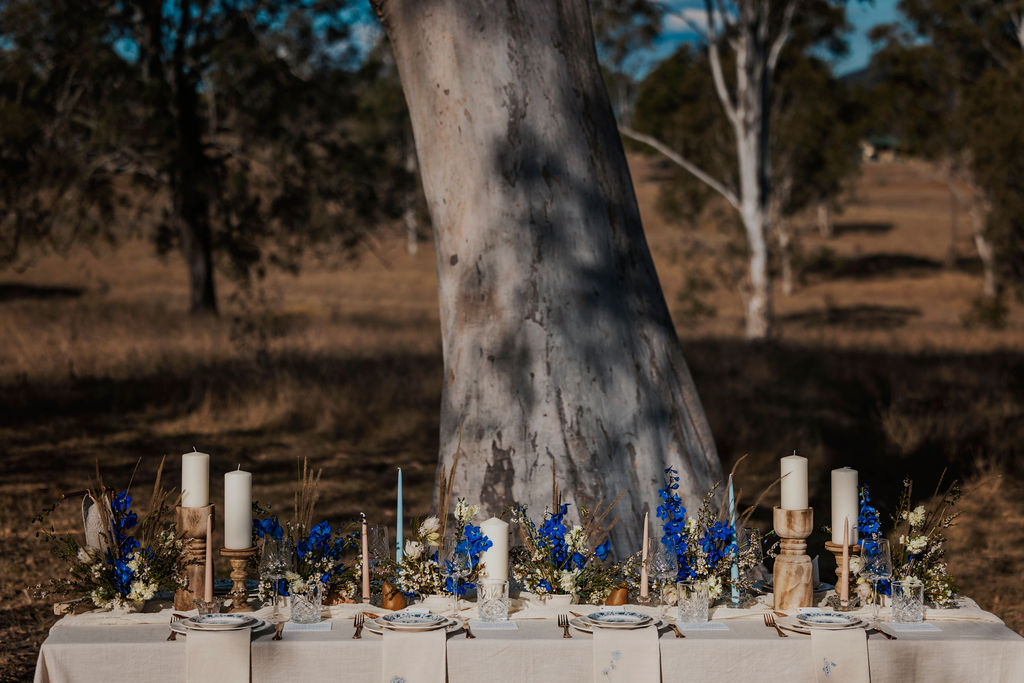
(794, 482)
(845, 505)
(195, 480)
(238, 510)
(495, 558)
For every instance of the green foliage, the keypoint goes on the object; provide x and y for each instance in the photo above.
(232, 128)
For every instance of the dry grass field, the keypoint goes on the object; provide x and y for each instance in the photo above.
(871, 367)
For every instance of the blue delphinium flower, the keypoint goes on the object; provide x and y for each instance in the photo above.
(673, 512)
(602, 550)
(268, 527)
(868, 526)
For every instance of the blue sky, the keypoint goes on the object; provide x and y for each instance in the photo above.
(863, 16)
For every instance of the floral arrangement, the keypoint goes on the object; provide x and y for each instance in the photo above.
(558, 559)
(705, 545)
(421, 573)
(918, 554)
(316, 550)
(134, 560)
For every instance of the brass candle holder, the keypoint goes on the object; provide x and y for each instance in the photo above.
(191, 526)
(853, 601)
(240, 559)
(793, 580)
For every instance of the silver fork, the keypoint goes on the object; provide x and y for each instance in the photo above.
(175, 617)
(769, 621)
(563, 621)
(358, 621)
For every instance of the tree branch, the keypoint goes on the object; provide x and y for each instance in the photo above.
(716, 66)
(679, 160)
(783, 37)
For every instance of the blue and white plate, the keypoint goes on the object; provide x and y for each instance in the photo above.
(185, 625)
(412, 620)
(220, 622)
(378, 626)
(586, 626)
(619, 619)
(829, 619)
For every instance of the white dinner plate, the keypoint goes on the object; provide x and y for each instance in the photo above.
(791, 624)
(828, 619)
(623, 619)
(412, 620)
(376, 626)
(219, 622)
(587, 626)
(257, 625)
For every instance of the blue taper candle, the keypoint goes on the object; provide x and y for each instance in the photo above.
(399, 532)
(734, 571)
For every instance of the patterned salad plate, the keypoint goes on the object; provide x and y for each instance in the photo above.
(617, 619)
(185, 625)
(584, 624)
(793, 624)
(220, 622)
(829, 620)
(379, 624)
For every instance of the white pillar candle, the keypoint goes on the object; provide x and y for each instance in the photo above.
(195, 480)
(238, 510)
(495, 558)
(794, 482)
(845, 505)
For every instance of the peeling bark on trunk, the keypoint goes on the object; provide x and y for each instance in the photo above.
(559, 351)
(986, 252)
(825, 228)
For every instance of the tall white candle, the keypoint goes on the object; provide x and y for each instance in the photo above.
(794, 482)
(495, 558)
(644, 552)
(195, 480)
(238, 510)
(208, 569)
(366, 559)
(845, 506)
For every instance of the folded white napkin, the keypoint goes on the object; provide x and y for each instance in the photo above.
(217, 656)
(418, 657)
(628, 655)
(840, 655)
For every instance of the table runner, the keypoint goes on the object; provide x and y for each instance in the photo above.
(627, 655)
(418, 657)
(217, 656)
(840, 656)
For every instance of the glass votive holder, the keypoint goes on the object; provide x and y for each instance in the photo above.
(208, 606)
(692, 598)
(492, 600)
(907, 601)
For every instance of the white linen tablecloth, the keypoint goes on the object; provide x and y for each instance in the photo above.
(962, 650)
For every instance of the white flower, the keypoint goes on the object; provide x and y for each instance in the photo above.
(864, 588)
(669, 594)
(714, 586)
(856, 564)
(917, 544)
(430, 531)
(413, 549)
(465, 513)
(83, 556)
(691, 525)
(567, 580)
(916, 518)
(576, 539)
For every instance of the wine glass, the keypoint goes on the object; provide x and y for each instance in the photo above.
(274, 561)
(663, 565)
(877, 564)
(456, 565)
(377, 543)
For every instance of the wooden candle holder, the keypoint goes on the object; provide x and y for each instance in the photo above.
(793, 574)
(191, 526)
(837, 550)
(240, 560)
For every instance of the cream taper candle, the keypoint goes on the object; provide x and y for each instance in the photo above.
(195, 480)
(794, 482)
(845, 504)
(365, 570)
(208, 588)
(645, 551)
(495, 558)
(238, 510)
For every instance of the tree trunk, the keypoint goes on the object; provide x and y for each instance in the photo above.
(986, 252)
(190, 178)
(559, 352)
(785, 240)
(753, 212)
(825, 227)
(952, 256)
(412, 228)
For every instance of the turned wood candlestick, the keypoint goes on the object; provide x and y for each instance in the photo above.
(793, 583)
(837, 550)
(240, 560)
(191, 526)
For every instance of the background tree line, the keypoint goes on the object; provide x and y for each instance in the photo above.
(245, 134)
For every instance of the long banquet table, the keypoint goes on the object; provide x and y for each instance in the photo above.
(748, 651)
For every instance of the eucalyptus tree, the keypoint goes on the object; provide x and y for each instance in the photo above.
(744, 43)
(560, 358)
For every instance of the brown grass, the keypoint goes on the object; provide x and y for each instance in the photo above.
(871, 368)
